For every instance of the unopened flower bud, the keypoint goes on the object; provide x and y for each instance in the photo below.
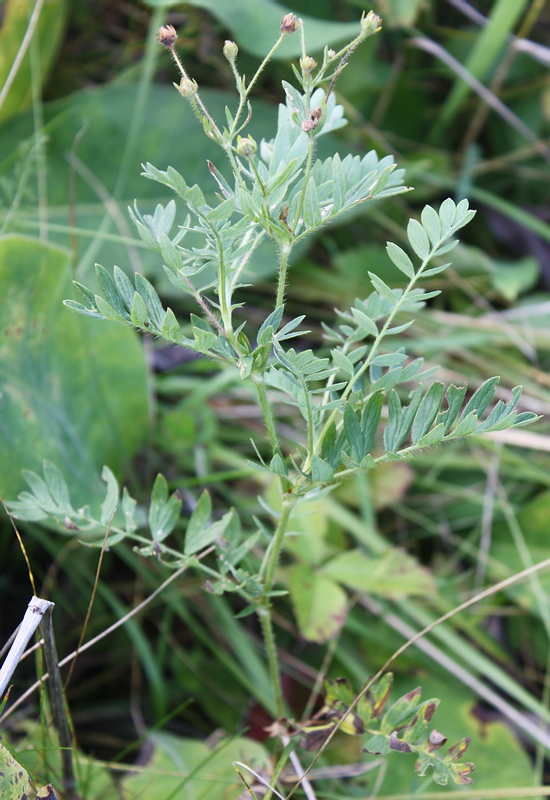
(246, 147)
(331, 53)
(230, 50)
(187, 87)
(370, 23)
(289, 23)
(307, 64)
(167, 35)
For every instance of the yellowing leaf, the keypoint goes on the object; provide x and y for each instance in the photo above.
(394, 574)
(319, 604)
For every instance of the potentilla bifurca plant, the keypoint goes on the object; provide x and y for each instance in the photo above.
(279, 190)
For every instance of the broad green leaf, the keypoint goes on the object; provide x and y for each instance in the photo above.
(109, 505)
(418, 238)
(321, 472)
(319, 603)
(400, 259)
(73, 389)
(197, 524)
(163, 511)
(139, 313)
(256, 24)
(343, 362)
(15, 783)
(401, 13)
(48, 31)
(394, 574)
(427, 411)
(170, 326)
(431, 224)
(481, 398)
(191, 768)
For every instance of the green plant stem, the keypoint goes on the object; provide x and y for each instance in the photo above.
(284, 257)
(289, 501)
(264, 615)
(307, 171)
(264, 608)
(267, 412)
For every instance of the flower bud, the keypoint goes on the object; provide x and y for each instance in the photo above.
(187, 87)
(289, 23)
(307, 64)
(230, 50)
(331, 53)
(246, 147)
(167, 35)
(370, 23)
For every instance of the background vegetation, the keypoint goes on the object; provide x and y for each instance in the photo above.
(460, 96)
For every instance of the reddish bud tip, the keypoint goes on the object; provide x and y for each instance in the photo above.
(167, 35)
(289, 23)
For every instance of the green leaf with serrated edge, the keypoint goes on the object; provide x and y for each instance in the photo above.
(418, 238)
(321, 472)
(170, 326)
(151, 299)
(402, 711)
(481, 398)
(319, 604)
(377, 745)
(197, 524)
(400, 259)
(39, 489)
(342, 362)
(139, 313)
(455, 396)
(109, 505)
(370, 419)
(431, 224)
(382, 288)
(427, 411)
